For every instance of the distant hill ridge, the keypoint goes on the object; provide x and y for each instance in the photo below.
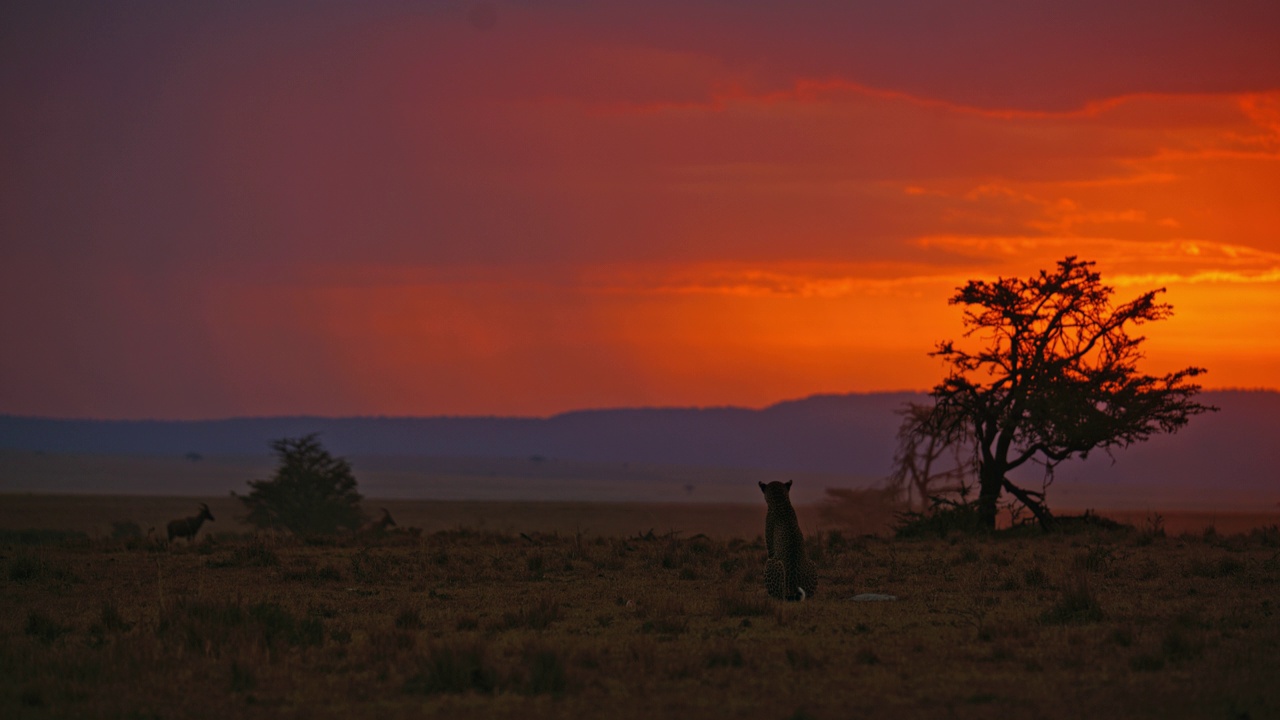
(847, 434)
(825, 433)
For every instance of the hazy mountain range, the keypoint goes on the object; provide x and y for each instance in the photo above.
(844, 434)
(1230, 456)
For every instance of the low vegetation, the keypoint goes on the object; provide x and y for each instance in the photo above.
(1101, 622)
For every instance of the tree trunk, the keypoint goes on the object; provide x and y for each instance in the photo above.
(990, 483)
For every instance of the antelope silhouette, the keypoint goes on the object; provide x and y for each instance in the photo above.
(188, 527)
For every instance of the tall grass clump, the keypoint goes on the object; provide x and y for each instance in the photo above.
(544, 671)
(367, 567)
(534, 616)
(208, 627)
(25, 567)
(34, 536)
(253, 553)
(454, 668)
(109, 621)
(941, 521)
(1076, 604)
(44, 628)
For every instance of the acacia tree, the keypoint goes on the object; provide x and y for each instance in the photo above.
(311, 493)
(1056, 377)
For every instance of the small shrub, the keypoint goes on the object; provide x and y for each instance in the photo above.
(242, 678)
(367, 567)
(25, 567)
(1146, 663)
(278, 624)
(536, 565)
(665, 625)
(799, 658)
(959, 519)
(1097, 558)
(673, 557)
(68, 538)
(731, 566)
(110, 620)
(1088, 522)
(254, 553)
(32, 697)
(454, 669)
(1123, 636)
(195, 621)
(1179, 647)
(867, 656)
(311, 573)
(1266, 536)
(322, 610)
(1152, 530)
(1076, 604)
(546, 672)
(1035, 577)
(207, 627)
(724, 656)
(537, 616)
(409, 619)
(1224, 567)
(44, 628)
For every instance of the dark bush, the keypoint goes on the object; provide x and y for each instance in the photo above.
(1077, 604)
(962, 518)
(44, 628)
(454, 668)
(312, 493)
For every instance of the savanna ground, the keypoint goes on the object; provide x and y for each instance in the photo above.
(508, 618)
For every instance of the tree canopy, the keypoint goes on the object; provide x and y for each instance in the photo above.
(311, 493)
(1053, 375)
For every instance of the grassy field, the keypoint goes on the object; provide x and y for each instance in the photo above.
(526, 613)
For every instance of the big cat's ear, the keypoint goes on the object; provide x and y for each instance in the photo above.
(788, 484)
(761, 487)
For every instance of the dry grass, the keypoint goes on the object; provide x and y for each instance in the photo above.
(475, 623)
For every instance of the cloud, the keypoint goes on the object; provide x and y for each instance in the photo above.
(387, 206)
(1209, 257)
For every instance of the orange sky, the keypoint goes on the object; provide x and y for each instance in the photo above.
(490, 208)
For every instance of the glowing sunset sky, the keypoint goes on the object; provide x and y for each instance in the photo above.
(457, 207)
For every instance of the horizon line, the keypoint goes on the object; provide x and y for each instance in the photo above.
(496, 416)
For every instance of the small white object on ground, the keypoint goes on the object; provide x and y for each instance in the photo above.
(874, 597)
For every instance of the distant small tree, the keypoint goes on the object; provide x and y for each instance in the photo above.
(930, 467)
(933, 459)
(1056, 376)
(311, 493)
